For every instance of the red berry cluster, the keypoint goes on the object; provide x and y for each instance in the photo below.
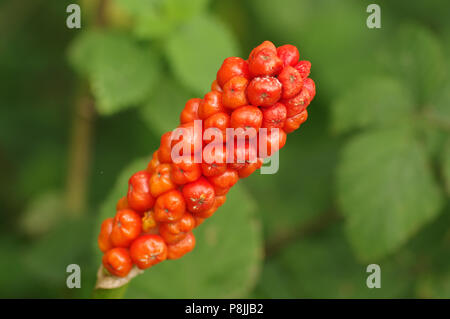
(169, 199)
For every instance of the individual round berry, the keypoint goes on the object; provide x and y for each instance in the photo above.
(234, 92)
(122, 203)
(211, 104)
(264, 91)
(148, 221)
(265, 62)
(176, 231)
(298, 103)
(153, 163)
(288, 54)
(139, 197)
(161, 180)
(218, 201)
(215, 86)
(165, 148)
(271, 142)
(186, 171)
(182, 247)
(127, 226)
(309, 84)
(148, 250)
(103, 240)
(291, 81)
(248, 118)
(199, 195)
(117, 261)
(265, 45)
(216, 125)
(214, 160)
(225, 180)
(169, 206)
(304, 68)
(190, 111)
(294, 122)
(274, 116)
(231, 67)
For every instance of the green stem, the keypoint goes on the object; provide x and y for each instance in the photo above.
(115, 293)
(81, 136)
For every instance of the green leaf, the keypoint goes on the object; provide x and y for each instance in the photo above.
(161, 111)
(386, 191)
(274, 283)
(434, 285)
(419, 59)
(82, 53)
(48, 257)
(439, 110)
(197, 49)
(446, 166)
(377, 101)
(157, 18)
(88, 48)
(150, 17)
(323, 266)
(433, 280)
(124, 78)
(43, 213)
(122, 73)
(224, 263)
(434, 139)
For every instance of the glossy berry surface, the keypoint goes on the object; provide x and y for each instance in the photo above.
(234, 92)
(248, 118)
(291, 81)
(126, 227)
(169, 206)
(231, 67)
(264, 91)
(274, 116)
(103, 240)
(190, 111)
(117, 261)
(199, 195)
(175, 231)
(265, 62)
(139, 197)
(182, 247)
(288, 54)
(148, 250)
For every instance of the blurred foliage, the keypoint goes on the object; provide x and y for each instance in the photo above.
(365, 180)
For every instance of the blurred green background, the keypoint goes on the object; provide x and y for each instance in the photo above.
(365, 180)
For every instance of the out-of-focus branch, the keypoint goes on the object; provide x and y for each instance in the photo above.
(80, 153)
